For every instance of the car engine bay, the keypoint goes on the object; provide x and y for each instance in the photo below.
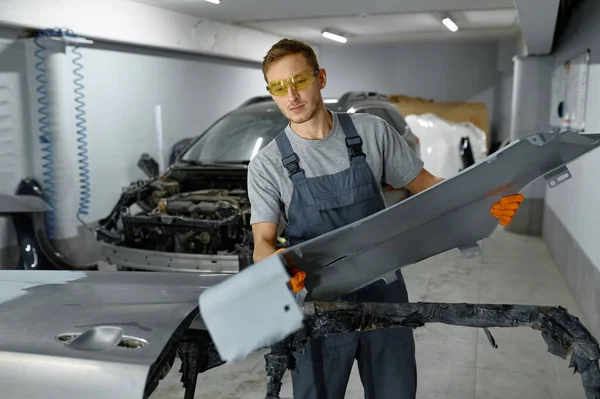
(188, 210)
(210, 222)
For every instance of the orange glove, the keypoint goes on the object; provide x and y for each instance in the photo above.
(506, 208)
(297, 280)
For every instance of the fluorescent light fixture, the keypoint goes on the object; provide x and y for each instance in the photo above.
(214, 1)
(256, 147)
(334, 37)
(450, 24)
(330, 101)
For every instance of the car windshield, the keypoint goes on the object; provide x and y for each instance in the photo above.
(236, 138)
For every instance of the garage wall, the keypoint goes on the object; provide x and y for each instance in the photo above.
(443, 71)
(503, 90)
(13, 124)
(572, 217)
(502, 107)
(576, 203)
(123, 89)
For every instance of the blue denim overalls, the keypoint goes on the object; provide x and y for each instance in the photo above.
(386, 358)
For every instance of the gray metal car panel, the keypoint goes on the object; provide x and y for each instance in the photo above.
(452, 214)
(69, 334)
(10, 204)
(169, 261)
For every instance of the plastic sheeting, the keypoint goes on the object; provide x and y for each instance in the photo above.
(440, 142)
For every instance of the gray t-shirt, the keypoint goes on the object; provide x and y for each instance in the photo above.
(389, 156)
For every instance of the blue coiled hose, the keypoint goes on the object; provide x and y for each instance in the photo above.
(84, 173)
(46, 133)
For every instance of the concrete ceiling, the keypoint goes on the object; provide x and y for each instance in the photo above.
(364, 22)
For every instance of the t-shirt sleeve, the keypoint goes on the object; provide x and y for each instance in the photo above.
(401, 163)
(265, 200)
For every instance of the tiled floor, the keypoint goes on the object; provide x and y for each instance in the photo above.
(453, 362)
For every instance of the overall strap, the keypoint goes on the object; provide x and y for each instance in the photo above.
(353, 140)
(288, 156)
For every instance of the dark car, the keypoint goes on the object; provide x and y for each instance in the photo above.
(196, 216)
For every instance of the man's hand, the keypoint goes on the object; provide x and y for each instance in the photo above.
(297, 280)
(265, 236)
(506, 208)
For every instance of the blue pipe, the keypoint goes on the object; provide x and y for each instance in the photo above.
(46, 133)
(84, 173)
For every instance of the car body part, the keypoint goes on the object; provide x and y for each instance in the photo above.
(198, 211)
(16, 204)
(178, 148)
(563, 333)
(280, 312)
(99, 334)
(148, 165)
(448, 147)
(29, 211)
(125, 330)
(466, 154)
(452, 214)
(137, 259)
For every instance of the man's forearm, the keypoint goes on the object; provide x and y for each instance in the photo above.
(423, 181)
(262, 250)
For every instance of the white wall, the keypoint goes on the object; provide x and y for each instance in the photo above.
(502, 107)
(123, 89)
(13, 124)
(503, 90)
(443, 71)
(577, 202)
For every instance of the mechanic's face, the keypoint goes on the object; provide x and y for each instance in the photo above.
(297, 105)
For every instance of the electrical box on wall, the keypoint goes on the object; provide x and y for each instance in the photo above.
(569, 94)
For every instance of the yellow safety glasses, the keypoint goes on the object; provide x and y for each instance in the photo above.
(297, 82)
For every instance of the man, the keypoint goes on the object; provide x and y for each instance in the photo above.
(321, 173)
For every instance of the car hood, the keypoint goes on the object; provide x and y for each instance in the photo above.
(90, 334)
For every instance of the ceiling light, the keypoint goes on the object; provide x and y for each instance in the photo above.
(330, 101)
(214, 1)
(334, 36)
(450, 24)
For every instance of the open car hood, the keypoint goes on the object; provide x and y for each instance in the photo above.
(71, 334)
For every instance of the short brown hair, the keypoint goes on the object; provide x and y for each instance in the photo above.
(287, 47)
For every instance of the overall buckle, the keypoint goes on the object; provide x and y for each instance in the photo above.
(291, 164)
(354, 145)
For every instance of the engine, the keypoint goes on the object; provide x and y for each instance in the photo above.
(210, 221)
